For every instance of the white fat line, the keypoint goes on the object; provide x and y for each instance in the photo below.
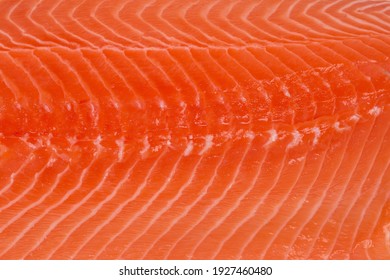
(189, 148)
(273, 137)
(375, 111)
(71, 140)
(208, 143)
(317, 134)
(338, 128)
(121, 145)
(355, 117)
(250, 135)
(25, 140)
(297, 138)
(285, 91)
(146, 145)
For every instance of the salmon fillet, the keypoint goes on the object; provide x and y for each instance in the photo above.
(205, 129)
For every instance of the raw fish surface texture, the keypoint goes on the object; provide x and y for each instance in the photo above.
(194, 129)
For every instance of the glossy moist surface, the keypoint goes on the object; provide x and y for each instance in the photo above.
(194, 129)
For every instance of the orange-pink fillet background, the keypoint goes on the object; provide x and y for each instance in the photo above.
(204, 129)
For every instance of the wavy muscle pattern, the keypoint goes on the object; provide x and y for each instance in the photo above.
(207, 129)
